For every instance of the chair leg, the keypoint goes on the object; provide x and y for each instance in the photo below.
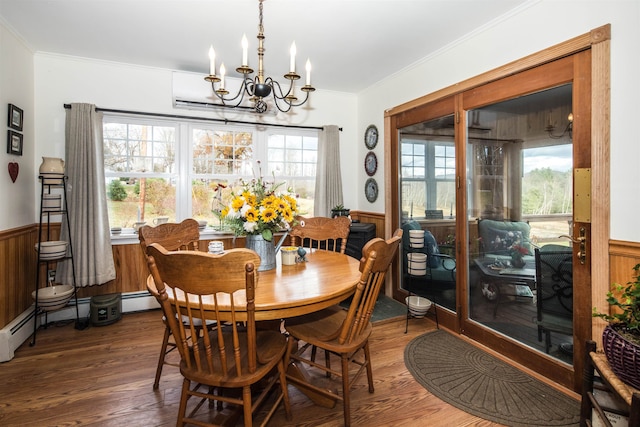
(182, 410)
(163, 353)
(285, 391)
(547, 341)
(346, 400)
(327, 363)
(246, 405)
(367, 360)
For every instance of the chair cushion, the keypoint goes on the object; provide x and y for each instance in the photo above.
(498, 236)
(432, 248)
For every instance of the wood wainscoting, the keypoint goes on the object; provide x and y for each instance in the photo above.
(17, 271)
(18, 262)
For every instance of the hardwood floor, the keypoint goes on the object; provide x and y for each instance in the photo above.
(103, 376)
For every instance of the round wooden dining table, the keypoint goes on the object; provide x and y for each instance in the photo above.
(325, 279)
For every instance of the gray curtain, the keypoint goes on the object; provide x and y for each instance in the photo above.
(328, 178)
(86, 201)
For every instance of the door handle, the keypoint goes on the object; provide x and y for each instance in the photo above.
(581, 240)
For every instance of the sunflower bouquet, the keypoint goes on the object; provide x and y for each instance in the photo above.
(256, 207)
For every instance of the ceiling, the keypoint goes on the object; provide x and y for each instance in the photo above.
(351, 43)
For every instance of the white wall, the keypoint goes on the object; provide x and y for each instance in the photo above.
(16, 87)
(61, 80)
(532, 28)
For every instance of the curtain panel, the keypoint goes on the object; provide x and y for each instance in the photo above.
(328, 192)
(86, 200)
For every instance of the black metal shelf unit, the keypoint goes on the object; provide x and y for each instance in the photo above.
(47, 184)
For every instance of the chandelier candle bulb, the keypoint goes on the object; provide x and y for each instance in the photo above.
(212, 61)
(292, 67)
(223, 71)
(308, 68)
(245, 46)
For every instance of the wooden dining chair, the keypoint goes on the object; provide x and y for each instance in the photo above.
(236, 356)
(344, 333)
(321, 233)
(171, 236)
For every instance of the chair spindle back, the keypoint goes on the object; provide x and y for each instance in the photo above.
(322, 233)
(214, 285)
(377, 256)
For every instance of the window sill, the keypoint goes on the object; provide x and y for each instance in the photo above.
(130, 238)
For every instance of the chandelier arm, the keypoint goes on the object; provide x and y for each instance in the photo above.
(243, 88)
(275, 84)
(293, 104)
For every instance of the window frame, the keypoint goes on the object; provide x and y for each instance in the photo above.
(184, 160)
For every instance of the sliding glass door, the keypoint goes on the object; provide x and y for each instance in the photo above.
(427, 202)
(489, 175)
(520, 203)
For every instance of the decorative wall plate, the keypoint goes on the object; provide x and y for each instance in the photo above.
(371, 137)
(371, 190)
(370, 163)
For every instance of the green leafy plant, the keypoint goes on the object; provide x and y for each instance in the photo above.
(116, 191)
(338, 208)
(627, 300)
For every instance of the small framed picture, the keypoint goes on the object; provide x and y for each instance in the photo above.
(14, 143)
(15, 117)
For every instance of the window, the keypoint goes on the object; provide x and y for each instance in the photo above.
(140, 170)
(428, 174)
(161, 168)
(295, 156)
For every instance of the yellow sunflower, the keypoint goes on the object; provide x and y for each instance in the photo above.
(237, 203)
(280, 204)
(287, 214)
(251, 215)
(269, 201)
(291, 201)
(249, 197)
(268, 215)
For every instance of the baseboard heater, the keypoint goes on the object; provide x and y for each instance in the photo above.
(20, 329)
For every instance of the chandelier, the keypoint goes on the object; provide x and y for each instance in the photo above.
(258, 88)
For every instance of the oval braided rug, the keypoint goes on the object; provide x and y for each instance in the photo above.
(480, 384)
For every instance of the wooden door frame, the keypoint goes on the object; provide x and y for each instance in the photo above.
(598, 42)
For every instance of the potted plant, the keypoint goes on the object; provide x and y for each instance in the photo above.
(621, 338)
(339, 210)
(447, 246)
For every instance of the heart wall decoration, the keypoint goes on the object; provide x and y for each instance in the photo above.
(14, 168)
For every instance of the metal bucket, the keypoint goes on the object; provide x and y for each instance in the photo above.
(265, 249)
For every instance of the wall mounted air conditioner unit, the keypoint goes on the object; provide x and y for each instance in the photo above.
(192, 92)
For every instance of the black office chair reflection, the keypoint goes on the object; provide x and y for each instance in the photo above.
(554, 291)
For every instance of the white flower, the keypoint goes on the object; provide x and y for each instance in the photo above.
(233, 214)
(244, 209)
(250, 226)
